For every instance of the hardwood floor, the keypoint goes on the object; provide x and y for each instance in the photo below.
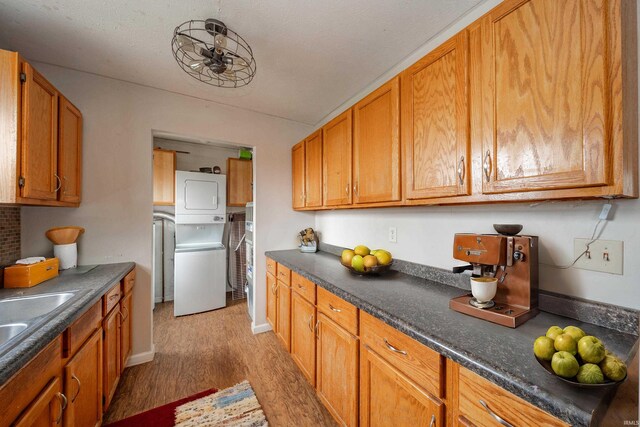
(217, 349)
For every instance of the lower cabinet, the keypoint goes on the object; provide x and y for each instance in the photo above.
(389, 398)
(303, 336)
(126, 308)
(337, 371)
(47, 409)
(272, 301)
(83, 384)
(111, 363)
(284, 315)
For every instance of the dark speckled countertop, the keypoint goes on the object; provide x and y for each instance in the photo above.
(420, 308)
(88, 283)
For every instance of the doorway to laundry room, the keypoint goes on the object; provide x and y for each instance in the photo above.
(202, 224)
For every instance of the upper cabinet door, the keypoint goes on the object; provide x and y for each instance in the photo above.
(313, 170)
(297, 173)
(435, 122)
(239, 182)
(336, 160)
(376, 145)
(164, 177)
(39, 145)
(70, 151)
(544, 90)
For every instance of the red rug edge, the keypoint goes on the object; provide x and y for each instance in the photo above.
(162, 416)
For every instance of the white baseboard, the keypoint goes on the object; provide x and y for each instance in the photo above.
(140, 358)
(258, 329)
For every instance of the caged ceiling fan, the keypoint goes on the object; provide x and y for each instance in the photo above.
(212, 53)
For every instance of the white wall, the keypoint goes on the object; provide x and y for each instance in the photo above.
(116, 207)
(425, 234)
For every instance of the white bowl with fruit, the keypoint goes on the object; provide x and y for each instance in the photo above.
(361, 260)
(577, 358)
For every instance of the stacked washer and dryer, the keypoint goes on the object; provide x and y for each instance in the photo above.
(200, 263)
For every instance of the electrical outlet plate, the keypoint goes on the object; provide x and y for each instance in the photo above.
(393, 234)
(599, 252)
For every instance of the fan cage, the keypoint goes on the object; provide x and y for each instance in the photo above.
(236, 48)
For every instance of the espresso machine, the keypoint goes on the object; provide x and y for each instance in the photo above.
(513, 261)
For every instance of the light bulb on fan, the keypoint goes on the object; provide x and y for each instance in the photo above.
(220, 43)
(185, 43)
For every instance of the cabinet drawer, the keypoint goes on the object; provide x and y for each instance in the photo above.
(271, 266)
(421, 364)
(111, 299)
(128, 282)
(474, 389)
(27, 384)
(304, 287)
(284, 274)
(338, 310)
(81, 329)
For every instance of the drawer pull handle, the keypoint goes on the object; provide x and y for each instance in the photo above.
(49, 268)
(73, 377)
(311, 324)
(63, 405)
(302, 287)
(432, 423)
(494, 415)
(114, 296)
(337, 310)
(392, 348)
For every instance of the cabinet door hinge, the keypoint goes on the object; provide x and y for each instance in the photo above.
(21, 181)
(23, 77)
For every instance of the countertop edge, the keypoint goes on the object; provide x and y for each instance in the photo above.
(517, 386)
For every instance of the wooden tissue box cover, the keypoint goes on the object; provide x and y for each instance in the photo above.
(26, 276)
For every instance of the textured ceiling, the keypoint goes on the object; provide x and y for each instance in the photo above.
(311, 55)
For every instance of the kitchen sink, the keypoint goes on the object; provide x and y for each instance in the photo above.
(20, 316)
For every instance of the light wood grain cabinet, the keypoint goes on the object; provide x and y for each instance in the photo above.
(284, 315)
(47, 409)
(337, 143)
(164, 177)
(111, 357)
(303, 335)
(545, 95)
(272, 301)
(435, 121)
(337, 371)
(297, 170)
(83, 384)
(126, 312)
(376, 145)
(239, 182)
(390, 398)
(40, 138)
(313, 170)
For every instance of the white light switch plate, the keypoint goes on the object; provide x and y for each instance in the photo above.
(599, 252)
(393, 234)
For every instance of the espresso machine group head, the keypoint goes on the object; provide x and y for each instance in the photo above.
(513, 261)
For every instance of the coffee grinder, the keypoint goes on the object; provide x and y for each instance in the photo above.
(513, 261)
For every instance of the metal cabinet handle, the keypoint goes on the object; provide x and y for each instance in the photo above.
(486, 166)
(432, 423)
(494, 415)
(114, 296)
(301, 287)
(311, 324)
(273, 289)
(346, 189)
(127, 311)
(337, 310)
(121, 317)
(59, 183)
(63, 405)
(73, 377)
(461, 170)
(317, 329)
(392, 348)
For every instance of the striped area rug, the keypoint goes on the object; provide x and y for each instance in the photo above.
(235, 406)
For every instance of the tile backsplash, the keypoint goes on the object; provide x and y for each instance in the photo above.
(9, 235)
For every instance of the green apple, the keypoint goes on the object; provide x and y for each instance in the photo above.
(590, 373)
(575, 332)
(591, 349)
(361, 250)
(554, 331)
(613, 368)
(565, 342)
(564, 364)
(543, 348)
(357, 262)
(347, 255)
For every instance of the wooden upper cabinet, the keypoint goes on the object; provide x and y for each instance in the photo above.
(545, 95)
(337, 142)
(39, 145)
(69, 151)
(164, 171)
(376, 145)
(313, 170)
(435, 122)
(239, 182)
(297, 174)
